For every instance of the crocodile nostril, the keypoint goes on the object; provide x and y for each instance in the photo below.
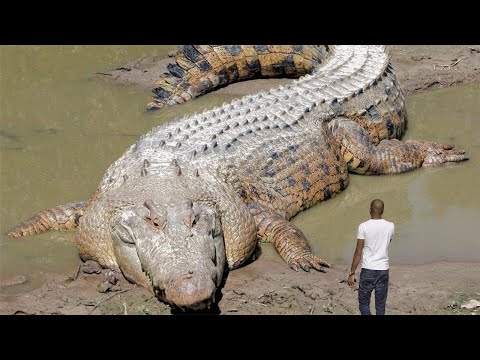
(190, 271)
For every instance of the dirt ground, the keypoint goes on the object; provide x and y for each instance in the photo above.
(268, 285)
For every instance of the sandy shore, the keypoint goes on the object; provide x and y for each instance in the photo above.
(268, 286)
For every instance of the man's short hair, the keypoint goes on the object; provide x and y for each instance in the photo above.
(377, 206)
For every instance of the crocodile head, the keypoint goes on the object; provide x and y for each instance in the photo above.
(175, 245)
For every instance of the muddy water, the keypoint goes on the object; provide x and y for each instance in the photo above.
(60, 128)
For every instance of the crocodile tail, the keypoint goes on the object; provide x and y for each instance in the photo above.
(199, 69)
(62, 217)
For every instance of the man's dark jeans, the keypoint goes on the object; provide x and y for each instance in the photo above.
(369, 280)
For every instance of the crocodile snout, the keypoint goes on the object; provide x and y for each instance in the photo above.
(190, 291)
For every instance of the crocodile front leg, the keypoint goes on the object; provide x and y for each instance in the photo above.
(289, 241)
(389, 156)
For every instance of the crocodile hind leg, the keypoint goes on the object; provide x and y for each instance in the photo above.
(199, 69)
(62, 217)
(289, 241)
(389, 156)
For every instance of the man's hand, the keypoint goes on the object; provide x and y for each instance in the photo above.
(357, 256)
(351, 280)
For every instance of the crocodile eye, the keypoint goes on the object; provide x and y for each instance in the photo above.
(190, 218)
(157, 218)
(157, 221)
(192, 214)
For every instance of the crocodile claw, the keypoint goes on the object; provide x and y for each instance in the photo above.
(306, 262)
(437, 153)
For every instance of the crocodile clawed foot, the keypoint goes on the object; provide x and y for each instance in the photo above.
(308, 261)
(437, 153)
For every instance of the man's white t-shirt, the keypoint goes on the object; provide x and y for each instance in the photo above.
(377, 234)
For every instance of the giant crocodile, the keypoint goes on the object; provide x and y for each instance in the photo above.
(192, 197)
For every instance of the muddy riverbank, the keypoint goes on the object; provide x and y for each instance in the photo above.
(266, 286)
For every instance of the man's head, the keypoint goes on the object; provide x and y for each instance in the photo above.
(376, 208)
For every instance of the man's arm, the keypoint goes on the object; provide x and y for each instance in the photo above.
(357, 256)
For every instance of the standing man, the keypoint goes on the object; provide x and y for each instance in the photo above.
(373, 239)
